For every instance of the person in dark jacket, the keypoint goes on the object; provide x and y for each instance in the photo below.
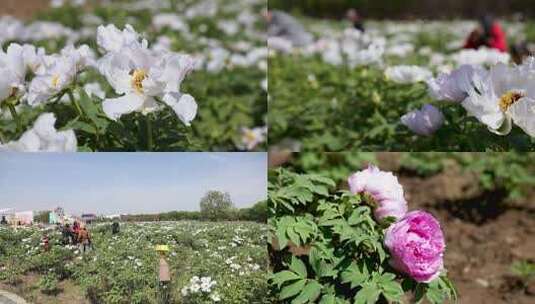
(115, 227)
(356, 19)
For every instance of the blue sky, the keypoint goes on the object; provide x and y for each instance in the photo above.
(109, 183)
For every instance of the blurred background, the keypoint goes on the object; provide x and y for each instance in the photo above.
(408, 9)
(22, 8)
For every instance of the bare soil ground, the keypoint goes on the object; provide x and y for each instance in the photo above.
(484, 233)
(28, 289)
(22, 8)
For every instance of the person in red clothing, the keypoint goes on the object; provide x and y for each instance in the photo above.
(489, 34)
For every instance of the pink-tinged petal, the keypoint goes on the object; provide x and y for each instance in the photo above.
(416, 245)
(384, 188)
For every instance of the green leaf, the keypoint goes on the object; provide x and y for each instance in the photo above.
(309, 294)
(292, 289)
(356, 274)
(369, 294)
(392, 291)
(299, 267)
(281, 277)
(328, 299)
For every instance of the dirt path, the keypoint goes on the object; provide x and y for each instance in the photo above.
(10, 298)
(69, 292)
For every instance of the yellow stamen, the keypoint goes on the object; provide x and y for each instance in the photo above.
(137, 80)
(55, 81)
(250, 135)
(509, 98)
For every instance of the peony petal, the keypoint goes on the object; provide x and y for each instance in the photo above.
(522, 113)
(116, 107)
(184, 106)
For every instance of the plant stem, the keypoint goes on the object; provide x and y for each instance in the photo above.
(149, 132)
(15, 115)
(75, 103)
(2, 138)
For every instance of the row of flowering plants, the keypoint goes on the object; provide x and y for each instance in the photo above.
(360, 245)
(134, 77)
(400, 86)
(209, 263)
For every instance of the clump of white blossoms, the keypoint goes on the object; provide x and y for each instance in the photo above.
(251, 138)
(406, 74)
(54, 73)
(43, 137)
(201, 286)
(13, 71)
(142, 77)
(497, 97)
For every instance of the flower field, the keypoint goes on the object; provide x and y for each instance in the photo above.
(209, 263)
(392, 251)
(400, 86)
(135, 76)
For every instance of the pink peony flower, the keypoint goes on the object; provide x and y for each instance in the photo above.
(416, 245)
(384, 188)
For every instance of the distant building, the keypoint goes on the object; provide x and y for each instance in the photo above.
(88, 218)
(60, 212)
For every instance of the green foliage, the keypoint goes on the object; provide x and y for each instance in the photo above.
(216, 205)
(48, 284)
(42, 217)
(329, 249)
(228, 100)
(525, 270)
(123, 268)
(511, 171)
(258, 213)
(329, 108)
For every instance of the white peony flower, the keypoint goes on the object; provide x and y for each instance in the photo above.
(453, 86)
(253, 137)
(13, 71)
(111, 39)
(43, 137)
(405, 74)
(502, 96)
(140, 76)
(34, 59)
(57, 76)
(425, 121)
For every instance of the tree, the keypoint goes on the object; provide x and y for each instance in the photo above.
(216, 205)
(42, 217)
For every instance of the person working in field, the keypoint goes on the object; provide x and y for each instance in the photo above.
(489, 34)
(356, 20)
(283, 25)
(84, 238)
(115, 227)
(4, 221)
(46, 243)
